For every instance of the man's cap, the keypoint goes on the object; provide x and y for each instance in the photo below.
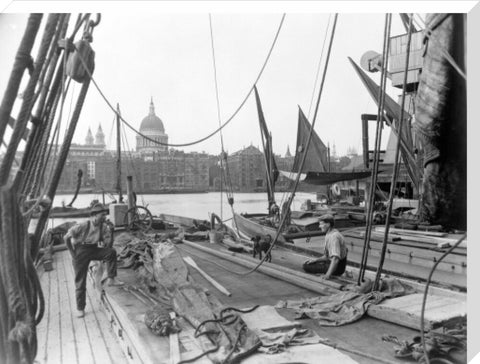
(97, 209)
(327, 218)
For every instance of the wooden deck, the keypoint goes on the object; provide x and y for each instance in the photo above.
(113, 330)
(402, 260)
(65, 338)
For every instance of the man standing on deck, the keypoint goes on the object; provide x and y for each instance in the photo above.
(84, 241)
(334, 259)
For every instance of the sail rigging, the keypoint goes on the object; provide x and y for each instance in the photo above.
(393, 113)
(271, 166)
(315, 170)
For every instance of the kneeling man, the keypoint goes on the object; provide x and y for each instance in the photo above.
(334, 259)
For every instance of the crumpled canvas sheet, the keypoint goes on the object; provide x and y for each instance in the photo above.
(335, 310)
(305, 354)
(344, 307)
(277, 342)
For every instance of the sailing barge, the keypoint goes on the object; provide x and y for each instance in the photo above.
(217, 266)
(224, 313)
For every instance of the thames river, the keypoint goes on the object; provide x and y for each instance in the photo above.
(195, 205)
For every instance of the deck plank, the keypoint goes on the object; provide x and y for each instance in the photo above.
(69, 346)
(43, 327)
(65, 338)
(99, 328)
(84, 351)
(54, 339)
(406, 311)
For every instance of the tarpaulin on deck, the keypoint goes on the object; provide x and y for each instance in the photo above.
(344, 307)
(335, 310)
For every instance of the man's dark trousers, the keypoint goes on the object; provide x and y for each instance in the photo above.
(84, 254)
(322, 267)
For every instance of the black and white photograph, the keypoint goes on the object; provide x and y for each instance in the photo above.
(238, 182)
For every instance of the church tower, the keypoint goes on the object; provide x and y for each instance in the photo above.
(89, 138)
(100, 137)
(152, 127)
(288, 154)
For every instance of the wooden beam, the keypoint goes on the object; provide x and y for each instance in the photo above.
(217, 285)
(269, 270)
(410, 232)
(406, 311)
(310, 277)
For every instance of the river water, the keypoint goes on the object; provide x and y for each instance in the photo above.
(195, 205)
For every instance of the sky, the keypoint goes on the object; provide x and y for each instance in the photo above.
(163, 54)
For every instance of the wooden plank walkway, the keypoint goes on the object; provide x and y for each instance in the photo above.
(406, 311)
(65, 338)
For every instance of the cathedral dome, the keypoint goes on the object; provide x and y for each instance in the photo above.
(152, 123)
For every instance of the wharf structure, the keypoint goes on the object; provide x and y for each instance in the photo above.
(155, 168)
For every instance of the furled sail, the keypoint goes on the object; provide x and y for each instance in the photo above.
(271, 166)
(441, 120)
(327, 178)
(315, 167)
(393, 113)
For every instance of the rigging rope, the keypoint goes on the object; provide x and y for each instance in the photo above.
(41, 159)
(218, 112)
(212, 133)
(319, 64)
(63, 156)
(26, 107)
(22, 61)
(425, 295)
(224, 170)
(45, 80)
(23, 308)
(376, 156)
(396, 166)
(297, 180)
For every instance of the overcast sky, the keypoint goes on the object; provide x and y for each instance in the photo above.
(167, 55)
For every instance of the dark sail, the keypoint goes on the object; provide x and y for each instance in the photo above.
(317, 153)
(271, 166)
(393, 112)
(441, 121)
(315, 168)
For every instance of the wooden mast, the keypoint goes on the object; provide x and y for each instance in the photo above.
(119, 158)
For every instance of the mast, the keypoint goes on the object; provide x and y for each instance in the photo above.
(119, 158)
(271, 167)
(328, 186)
